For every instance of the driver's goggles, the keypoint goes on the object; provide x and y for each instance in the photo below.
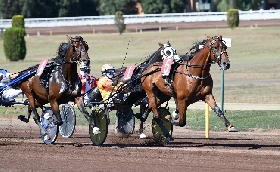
(110, 71)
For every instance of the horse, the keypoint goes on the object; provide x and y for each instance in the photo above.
(192, 82)
(63, 83)
(138, 95)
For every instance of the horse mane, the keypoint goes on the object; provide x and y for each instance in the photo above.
(193, 50)
(61, 52)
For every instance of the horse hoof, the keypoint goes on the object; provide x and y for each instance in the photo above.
(59, 123)
(143, 136)
(182, 124)
(23, 119)
(168, 139)
(232, 129)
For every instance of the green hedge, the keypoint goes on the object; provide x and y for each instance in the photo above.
(14, 43)
(233, 18)
(18, 21)
(119, 21)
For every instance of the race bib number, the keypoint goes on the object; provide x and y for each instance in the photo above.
(128, 72)
(41, 67)
(166, 66)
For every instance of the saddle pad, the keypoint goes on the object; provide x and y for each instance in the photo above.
(128, 72)
(41, 67)
(166, 66)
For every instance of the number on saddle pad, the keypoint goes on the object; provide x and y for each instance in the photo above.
(166, 66)
(41, 67)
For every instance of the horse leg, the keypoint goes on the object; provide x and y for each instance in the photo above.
(56, 112)
(209, 99)
(27, 116)
(36, 116)
(80, 104)
(144, 112)
(182, 107)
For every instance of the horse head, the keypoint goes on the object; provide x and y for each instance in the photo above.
(218, 51)
(167, 51)
(79, 48)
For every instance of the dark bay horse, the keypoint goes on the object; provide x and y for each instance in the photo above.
(63, 82)
(192, 81)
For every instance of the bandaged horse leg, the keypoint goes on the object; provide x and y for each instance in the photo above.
(80, 104)
(36, 116)
(209, 99)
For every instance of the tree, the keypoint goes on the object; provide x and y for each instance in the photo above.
(110, 7)
(71, 8)
(44, 9)
(162, 6)
(8, 8)
(244, 5)
(155, 6)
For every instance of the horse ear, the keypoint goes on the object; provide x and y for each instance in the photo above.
(168, 43)
(209, 38)
(220, 37)
(160, 44)
(69, 37)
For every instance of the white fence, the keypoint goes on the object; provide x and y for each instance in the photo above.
(147, 18)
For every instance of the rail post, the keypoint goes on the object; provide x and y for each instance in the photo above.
(207, 121)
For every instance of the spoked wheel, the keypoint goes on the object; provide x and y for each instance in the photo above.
(165, 119)
(68, 116)
(102, 123)
(125, 122)
(50, 127)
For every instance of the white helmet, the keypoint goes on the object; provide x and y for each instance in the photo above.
(106, 67)
(83, 66)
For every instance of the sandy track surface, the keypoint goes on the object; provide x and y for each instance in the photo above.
(21, 149)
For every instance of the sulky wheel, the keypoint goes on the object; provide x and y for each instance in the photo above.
(125, 121)
(102, 123)
(68, 117)
(50, 127)
(165, 119)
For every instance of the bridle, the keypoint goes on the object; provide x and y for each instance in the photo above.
(214, 50)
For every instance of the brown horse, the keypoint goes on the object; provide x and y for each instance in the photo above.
(192, 81)
(63, 82)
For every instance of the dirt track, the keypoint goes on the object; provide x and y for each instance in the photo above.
(21, 149)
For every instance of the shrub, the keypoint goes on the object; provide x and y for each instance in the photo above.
(233, 18)
(14, 44)
(18, 21)
(119, 21)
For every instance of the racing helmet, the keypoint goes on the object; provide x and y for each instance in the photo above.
(105, 67)
(83, 66)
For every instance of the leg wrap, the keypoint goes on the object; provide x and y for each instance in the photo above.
(218, 111)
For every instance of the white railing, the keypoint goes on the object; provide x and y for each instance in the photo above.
(147, 18)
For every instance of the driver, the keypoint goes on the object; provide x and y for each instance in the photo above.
(87, 81)
(8, 94)
(105, 83)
